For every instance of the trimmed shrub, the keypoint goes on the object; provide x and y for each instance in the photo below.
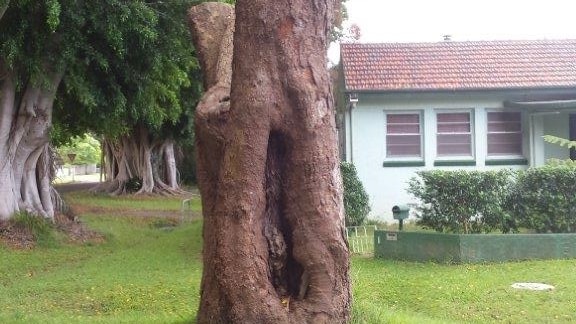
(462, 201)
(356, 201)
(543, 199)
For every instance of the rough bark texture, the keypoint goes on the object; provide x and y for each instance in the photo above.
(25, 158)
(274, 249)
(136, 157)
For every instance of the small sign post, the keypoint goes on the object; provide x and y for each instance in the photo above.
(71, 157)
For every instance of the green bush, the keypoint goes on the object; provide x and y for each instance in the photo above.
(133, 184)
(462, 201)
(356, 201)
(543, 199)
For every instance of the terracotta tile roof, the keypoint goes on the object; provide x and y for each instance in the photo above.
(451, 65)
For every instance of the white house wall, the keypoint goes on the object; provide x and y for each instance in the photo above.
(557, 125)
(366, 136)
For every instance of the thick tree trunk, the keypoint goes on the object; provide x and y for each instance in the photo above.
(24, 154)
(117, 168)
(8, 197)
(274, 249)
(137, 157)
(169, 161)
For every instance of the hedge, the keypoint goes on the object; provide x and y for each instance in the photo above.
(544, 199)
(540, 199)
(461, 201)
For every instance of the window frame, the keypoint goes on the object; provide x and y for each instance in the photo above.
(472, 134)
(502, 156)
(421, 123)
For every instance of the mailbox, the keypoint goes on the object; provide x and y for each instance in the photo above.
(400, 212)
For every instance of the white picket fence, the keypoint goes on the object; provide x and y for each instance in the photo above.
(361, 239)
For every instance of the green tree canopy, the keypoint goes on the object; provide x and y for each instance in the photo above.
(125, 61)
(86, 148)
(135, 64)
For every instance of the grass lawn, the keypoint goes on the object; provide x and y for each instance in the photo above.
(405, 292)
(146, 273)
(150, 203)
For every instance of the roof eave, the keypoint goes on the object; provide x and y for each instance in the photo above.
(453, 90)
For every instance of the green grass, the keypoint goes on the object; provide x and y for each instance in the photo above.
(404, 292)
(143, 274)
(132, 202)
(41, 229)
(147, 273)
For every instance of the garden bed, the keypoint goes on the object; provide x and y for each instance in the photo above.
(472, 248)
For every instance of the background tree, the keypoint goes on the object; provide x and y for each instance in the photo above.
(33, 57)
(111, 64)
(153, 92)
(86, 148)
(274, 249)
(356, 200)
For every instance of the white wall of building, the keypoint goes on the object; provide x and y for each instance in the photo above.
(77, 170)
(386, 186)
(557, 125)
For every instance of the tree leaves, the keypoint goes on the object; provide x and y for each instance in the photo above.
(132, 62)
(560, 141)
(52, 14)
(461, 201)
(356, 200)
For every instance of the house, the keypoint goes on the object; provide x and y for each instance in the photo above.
(476, 105)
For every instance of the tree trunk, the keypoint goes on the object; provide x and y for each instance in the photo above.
(24, 153)
(169, 161)
(8, 197)
(137, 157)
(3, 8)
(274, 248)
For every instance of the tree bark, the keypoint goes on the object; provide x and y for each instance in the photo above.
(24, 137)
(138, 156)
(274, 249)
(8, 197)
(169, 161)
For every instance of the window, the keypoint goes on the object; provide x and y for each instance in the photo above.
(403, 135)
(504, 133)
(454, 134)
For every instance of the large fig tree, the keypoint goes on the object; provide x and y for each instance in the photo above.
(33, 60)
(139, 99)
(103, 66)
(274, 249)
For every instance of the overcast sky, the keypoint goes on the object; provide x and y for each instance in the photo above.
(427, 21)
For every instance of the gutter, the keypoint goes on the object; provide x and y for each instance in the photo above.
(544, 104)
(352, 101)
(459, 90)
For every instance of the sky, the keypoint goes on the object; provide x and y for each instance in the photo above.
(427, 21)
